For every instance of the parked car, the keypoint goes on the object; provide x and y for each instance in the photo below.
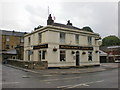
(117, 60)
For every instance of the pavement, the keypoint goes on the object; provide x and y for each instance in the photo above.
(102, 67)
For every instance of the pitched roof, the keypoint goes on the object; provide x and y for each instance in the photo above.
(65, 26)
(102, 53)
(11, 33)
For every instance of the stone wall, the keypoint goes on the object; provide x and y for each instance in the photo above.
(28, 64)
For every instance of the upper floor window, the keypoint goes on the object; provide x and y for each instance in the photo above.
(7, 38)
(21, 39)
(29, 40)
(62, 37)
(77, 39)
(89, 40)
(39, 37)
(7, 46)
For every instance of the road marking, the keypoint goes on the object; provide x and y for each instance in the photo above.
(47, 75)
(61, 79)
(81, 84)
(25, 76)
(32, 71)
(9, 82)
(64, 86)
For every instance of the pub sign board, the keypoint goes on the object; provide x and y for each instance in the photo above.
(40, 46)
(75, 47)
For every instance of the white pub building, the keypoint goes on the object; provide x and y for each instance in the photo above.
(62, 45)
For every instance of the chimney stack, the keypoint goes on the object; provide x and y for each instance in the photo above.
(50, 21)
(68, 23)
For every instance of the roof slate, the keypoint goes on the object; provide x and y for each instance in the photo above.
(65, 26)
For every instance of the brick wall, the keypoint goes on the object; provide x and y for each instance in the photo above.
(29, 65)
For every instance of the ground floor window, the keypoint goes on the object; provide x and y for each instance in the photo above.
(89, 56)
(62, 56)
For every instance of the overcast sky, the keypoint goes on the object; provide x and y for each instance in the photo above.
(24, 15)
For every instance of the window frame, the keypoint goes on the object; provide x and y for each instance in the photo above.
(21, 39)
(62, 55)
(62, 37)
(89, 40)
(77, 38)
(90, 55)
(40, 37)
(7, 38)
(7, 46)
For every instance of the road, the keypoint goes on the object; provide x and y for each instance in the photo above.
(14, 78)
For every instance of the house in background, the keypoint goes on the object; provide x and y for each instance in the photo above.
(113, 52)
(103, 56)
(12, 44)
(62, 45)
(10, 54)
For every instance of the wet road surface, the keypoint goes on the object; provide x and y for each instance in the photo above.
(14, 78)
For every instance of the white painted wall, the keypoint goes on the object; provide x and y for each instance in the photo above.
(83, 40)
(52, 37)
(53, 40)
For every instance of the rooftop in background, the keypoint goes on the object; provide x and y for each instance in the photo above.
(102, 53)
(10, 33)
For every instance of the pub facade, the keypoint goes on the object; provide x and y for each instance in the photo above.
(62, 45)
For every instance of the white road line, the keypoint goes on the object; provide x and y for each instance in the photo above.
(32, 71)
(81, 84)
(9, 82)
(61, 79)
(64, 86)
(47, 75)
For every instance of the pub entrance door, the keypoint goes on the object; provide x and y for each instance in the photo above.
(77, 58)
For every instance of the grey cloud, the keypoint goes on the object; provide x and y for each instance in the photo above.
(101, 17)
(38, 15)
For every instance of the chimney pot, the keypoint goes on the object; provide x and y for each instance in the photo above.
(68, 23)
(50, 21)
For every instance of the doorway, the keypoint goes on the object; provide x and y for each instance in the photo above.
(39, 55)
(77, 58)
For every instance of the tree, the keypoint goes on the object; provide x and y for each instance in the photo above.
(110, 41)
(87, 29)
